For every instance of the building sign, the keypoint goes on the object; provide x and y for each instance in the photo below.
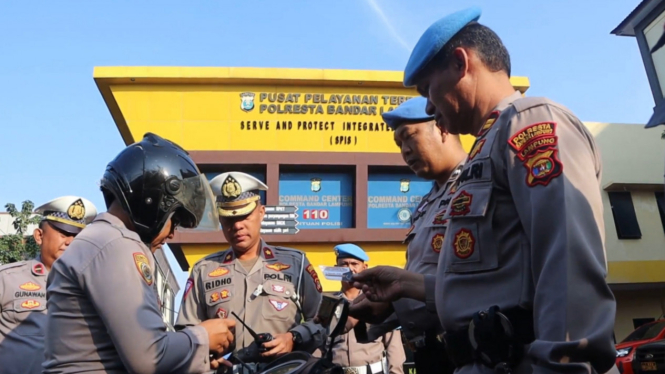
(324, 200)
(259, 176)
(265, 118)
(654, 34)
(392, 198)
(280, 220)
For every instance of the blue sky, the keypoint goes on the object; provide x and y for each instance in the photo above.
(57, 134)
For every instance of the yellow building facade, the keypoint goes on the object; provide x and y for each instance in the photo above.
(316, 137)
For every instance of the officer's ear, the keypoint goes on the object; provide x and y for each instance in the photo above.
(459, 60)
(38, 235)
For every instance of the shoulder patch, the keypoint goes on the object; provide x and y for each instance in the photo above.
(143, 267)
(533, 137)
(536, 147)
(315, 277)
(188, 287)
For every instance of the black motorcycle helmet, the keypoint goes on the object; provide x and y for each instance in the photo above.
(154, 179)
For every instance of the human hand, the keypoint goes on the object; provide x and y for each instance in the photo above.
(385, 283)
(216, 363)
(220, 334)
(280, 344)
(368, 311)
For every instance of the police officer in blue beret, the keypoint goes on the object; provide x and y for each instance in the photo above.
(384, 355)
(520, 285)
(433, 154)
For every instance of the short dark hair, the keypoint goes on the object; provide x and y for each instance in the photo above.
(486, 42)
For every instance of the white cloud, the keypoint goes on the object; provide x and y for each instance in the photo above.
(386, 22)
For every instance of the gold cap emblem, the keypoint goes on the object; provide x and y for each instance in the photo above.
(76, 211)
(231, 188)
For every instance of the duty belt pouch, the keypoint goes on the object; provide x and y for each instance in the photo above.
(494, 341)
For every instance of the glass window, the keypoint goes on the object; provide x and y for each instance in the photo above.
(648, 331)
(660, 200)
(625, 219)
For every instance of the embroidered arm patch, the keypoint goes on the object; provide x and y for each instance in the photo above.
(535, 146)
(315, 277)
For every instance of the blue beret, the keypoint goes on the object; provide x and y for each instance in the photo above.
(412, 110)
(434, 38)
(350, 250)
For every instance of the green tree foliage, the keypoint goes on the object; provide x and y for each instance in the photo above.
(18, 247)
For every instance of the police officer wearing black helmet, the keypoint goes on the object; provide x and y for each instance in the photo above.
(103, 314)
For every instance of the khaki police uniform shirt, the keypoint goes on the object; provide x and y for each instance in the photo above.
(264, 297)
(526, 230)
(22, 316)
(103, 315)
(424, 240)
(347, 352)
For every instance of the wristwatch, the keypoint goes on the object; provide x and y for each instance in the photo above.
(297, 338)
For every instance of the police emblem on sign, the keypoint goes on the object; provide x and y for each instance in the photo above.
(247, 101)
(316, 184)
(404, 215)
(404, 185)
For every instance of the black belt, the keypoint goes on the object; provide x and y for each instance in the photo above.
(428, 340)
(462, 352)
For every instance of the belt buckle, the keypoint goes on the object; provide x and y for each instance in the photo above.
(351, 370)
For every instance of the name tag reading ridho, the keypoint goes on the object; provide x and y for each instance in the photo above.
(335, 273)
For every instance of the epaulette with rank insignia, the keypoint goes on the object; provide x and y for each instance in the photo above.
(296, 253)
(530, 102)
(12, 265)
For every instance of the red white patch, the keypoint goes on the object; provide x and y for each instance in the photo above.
(222, 313)
(38, 269)
(278, 288)
(188, 287)
(279, 305)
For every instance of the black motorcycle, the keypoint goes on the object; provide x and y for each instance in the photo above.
(333, 314)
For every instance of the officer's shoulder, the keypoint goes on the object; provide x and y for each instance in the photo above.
(288, 251)
(216, 257)
(102, 234)
(5, 268)
(525, 104)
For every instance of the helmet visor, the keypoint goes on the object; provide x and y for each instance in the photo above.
(198, 212)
